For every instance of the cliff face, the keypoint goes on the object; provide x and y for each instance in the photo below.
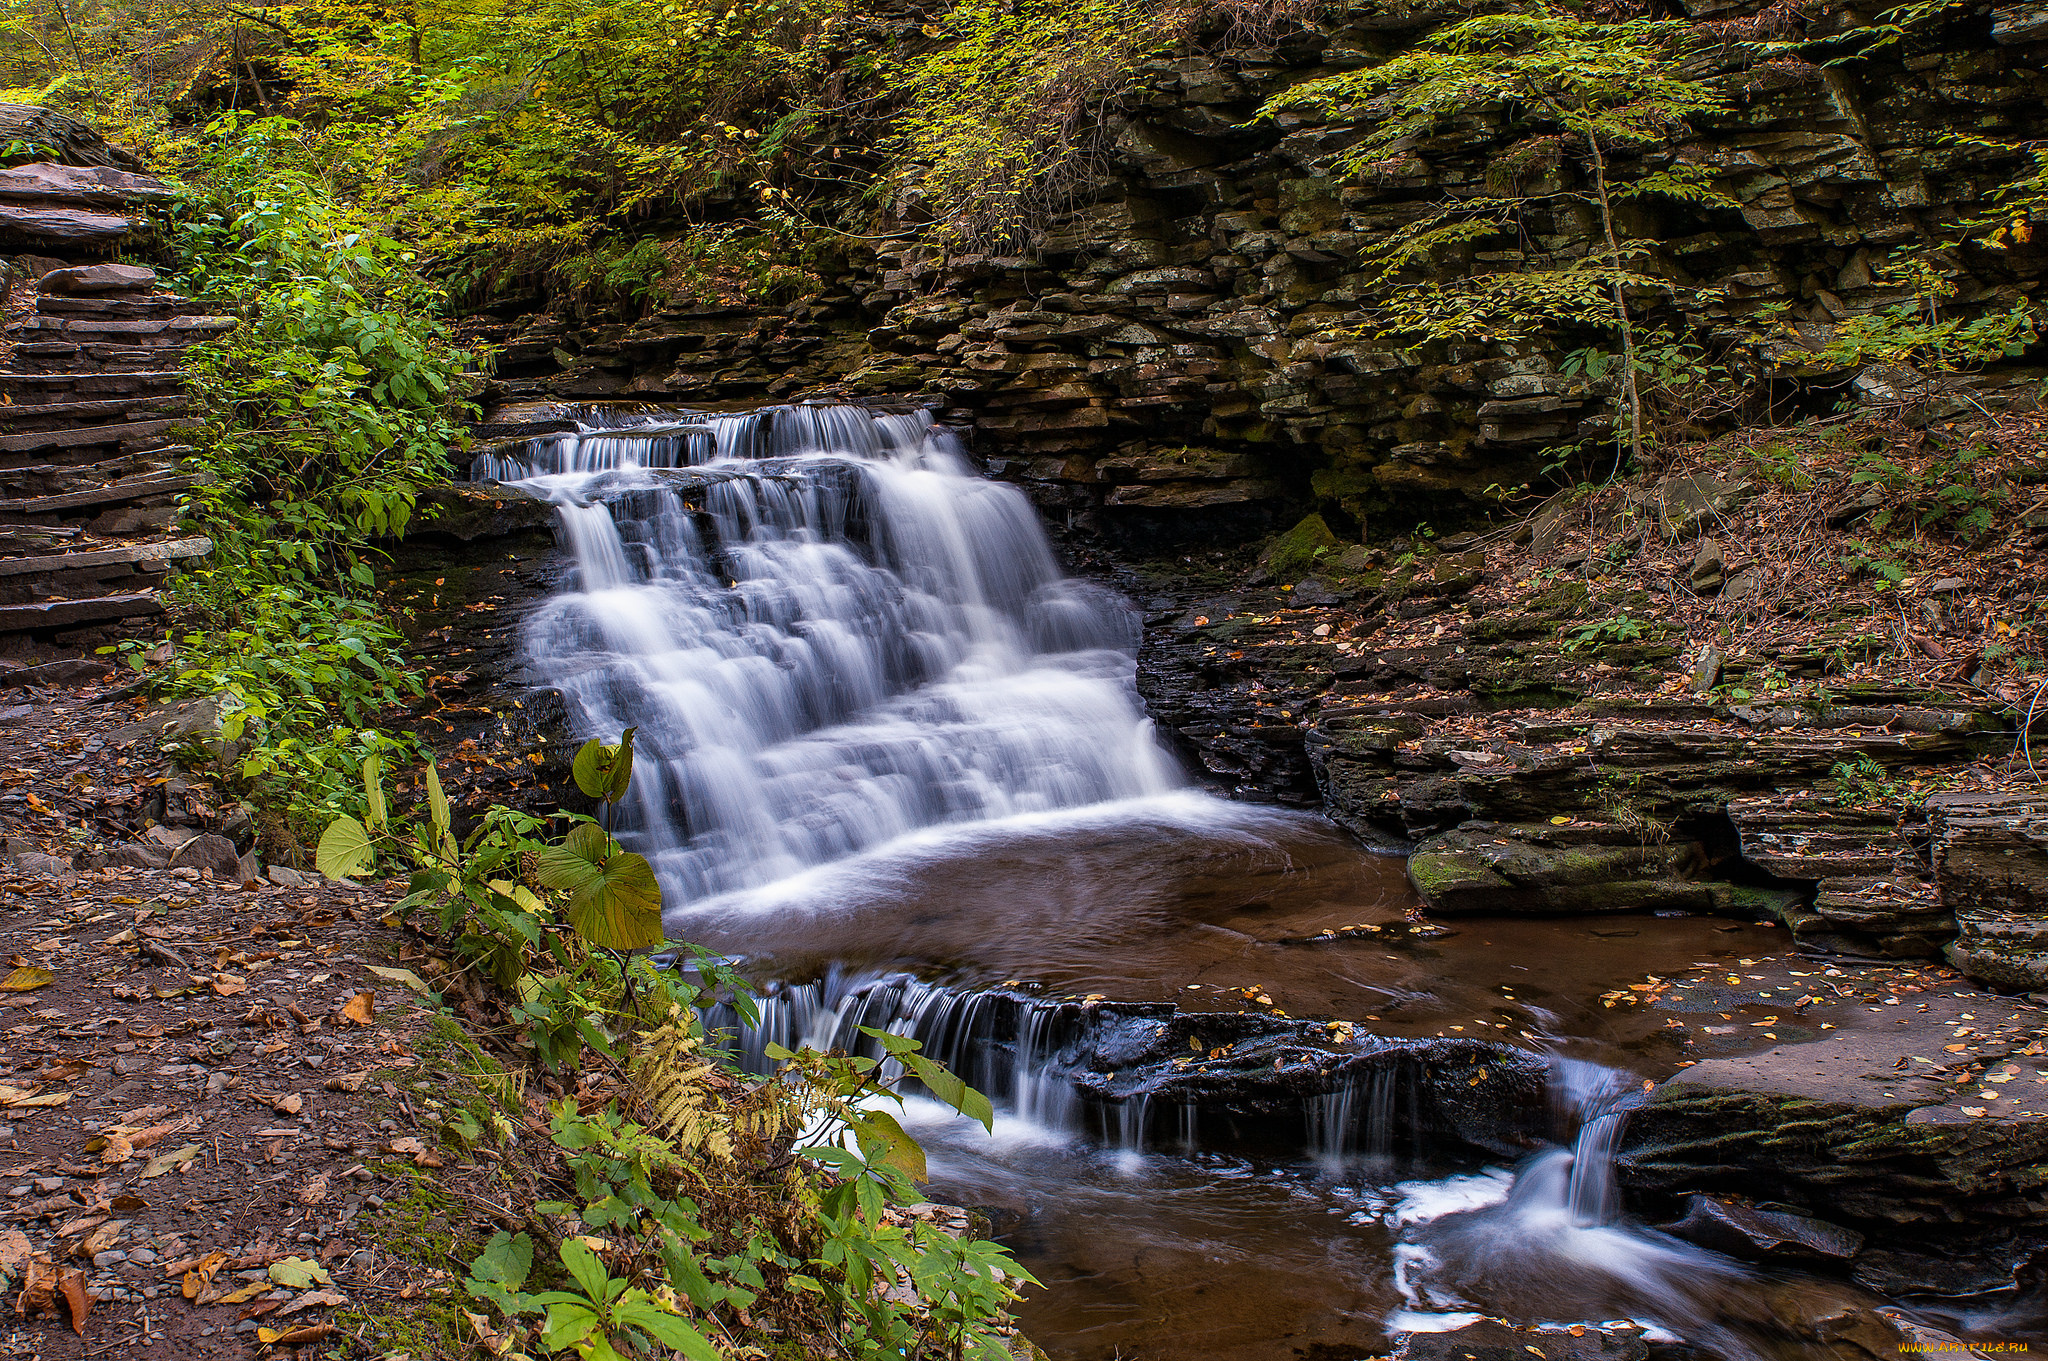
(1191, 347)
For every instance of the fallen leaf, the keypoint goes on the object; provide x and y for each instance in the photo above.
(296, 1337)
(101, 1239)
(39, 1287)
(227, 985)
(164, 1162)
(314, 1191)
(117, 1151)
(298, 1273)
(129, 1205)
(405, 976)
(346, 1082)
(27, 980)
(14, 1250)
(200, 1276)
(72, 1283)
(246, 1293)
(23, 1097)
(289, 1105)
(316, 1299)
(360, 1009)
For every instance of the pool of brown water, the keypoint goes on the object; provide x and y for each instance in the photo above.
(1179, 1251)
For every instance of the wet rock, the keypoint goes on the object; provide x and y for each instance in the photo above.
(1902, 1273)
(1745, 1231)
(1487, 867)
(1990, 863)
(215, 855)
(1493, 1340)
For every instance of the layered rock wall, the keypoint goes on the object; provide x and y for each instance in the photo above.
(1193, 347)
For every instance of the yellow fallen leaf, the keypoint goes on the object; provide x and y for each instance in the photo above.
(27, 980)
(227, 985)
(246, 1293)
(360, 1009)
(177, 1157)
(200, 1276)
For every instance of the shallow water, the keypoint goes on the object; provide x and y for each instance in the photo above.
(879, 733)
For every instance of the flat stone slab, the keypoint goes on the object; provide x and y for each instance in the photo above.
(85, 279)
(57, 614)
(177, 550)
(95, 186)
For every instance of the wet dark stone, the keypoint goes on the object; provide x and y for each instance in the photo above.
(1492, 1340)
(1912, 1273)
(1745, 1231)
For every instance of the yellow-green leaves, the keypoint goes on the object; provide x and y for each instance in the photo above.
(373, 791)
(615, 902)
(880, 1131)
(605, 772)
(345, 849)
(437, 808)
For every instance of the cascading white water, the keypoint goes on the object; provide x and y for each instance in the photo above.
(830, 634)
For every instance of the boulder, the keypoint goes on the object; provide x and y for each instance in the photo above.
(1486, 867)
(71, 142)
(41, 866)
(69, 671)
(215, 855)
(134, 855)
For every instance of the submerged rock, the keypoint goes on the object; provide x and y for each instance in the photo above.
(1492, 1340)
(1746, 1231)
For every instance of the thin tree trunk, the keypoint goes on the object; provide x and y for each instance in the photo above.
(1630, 387)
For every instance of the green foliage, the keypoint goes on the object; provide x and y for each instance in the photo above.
(1003, 112)
(316, 423)
(1622, 628)
(1943, 496)
(1909, 336)
(1578, 92)
(1863, 783)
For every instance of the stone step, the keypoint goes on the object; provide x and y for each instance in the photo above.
(152, 331)
(65, 357)
(34, 538)
(57, 479)
(57, 614)
(128, 432)
(53, 415)
(126, 307)
(27, 385)
(177, 550)
(113, 494)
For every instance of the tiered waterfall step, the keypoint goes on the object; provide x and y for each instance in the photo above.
(91, 469)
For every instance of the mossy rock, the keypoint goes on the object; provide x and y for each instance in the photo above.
(1292, 555)
(1566, 600)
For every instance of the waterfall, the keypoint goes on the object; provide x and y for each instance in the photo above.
(1005, 1046)
(830, 634)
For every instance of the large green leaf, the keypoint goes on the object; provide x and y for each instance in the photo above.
(605, 772)
(437, 807)
(899, 1150)
(615, 901)
(345, 849)
(373, 790)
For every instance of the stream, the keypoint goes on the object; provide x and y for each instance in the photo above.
(892, 760)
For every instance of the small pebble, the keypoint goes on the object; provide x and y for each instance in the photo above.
(113, 1257)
